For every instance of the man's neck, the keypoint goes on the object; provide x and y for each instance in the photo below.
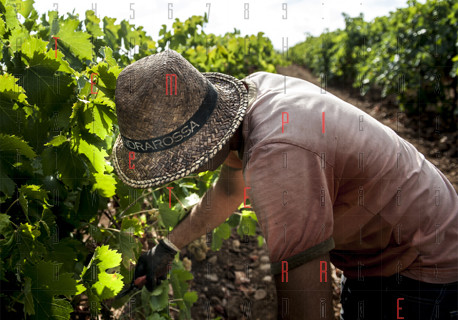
(236, 142)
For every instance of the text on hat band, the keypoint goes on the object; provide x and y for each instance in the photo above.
(182, 133)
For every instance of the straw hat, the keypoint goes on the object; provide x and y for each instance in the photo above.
(170, 127)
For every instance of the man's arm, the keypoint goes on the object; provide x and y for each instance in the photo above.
(291, 192)
(304, 296)
(218, 203)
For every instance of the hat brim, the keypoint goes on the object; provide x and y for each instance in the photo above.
(158, 168)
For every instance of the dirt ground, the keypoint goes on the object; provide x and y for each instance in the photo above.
(235, 282)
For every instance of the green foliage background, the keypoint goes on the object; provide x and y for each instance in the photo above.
(411, 54)
(56, 183)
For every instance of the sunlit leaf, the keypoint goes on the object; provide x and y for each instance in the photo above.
(77, 41)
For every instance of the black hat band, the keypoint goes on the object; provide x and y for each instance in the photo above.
(182, 133)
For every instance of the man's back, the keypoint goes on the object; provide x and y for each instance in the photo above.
(320, 169)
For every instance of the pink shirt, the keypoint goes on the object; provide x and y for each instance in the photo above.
(357, 188)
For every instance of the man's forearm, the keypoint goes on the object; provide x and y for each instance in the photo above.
(202, 218)
(306, 295)
(218, 203)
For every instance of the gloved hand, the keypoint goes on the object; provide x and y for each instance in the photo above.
(153, 264)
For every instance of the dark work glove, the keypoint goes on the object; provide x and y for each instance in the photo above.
(154, 262)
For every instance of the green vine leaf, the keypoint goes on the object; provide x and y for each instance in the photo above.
(29, 307)
(43, 84)
(10, 148)
(24, 7)
(169, 216)
(12, 144)
(95, 155)
(220, 233)
(63, 160)
(47, 282)
(108, 284)
(5, 225)
(179, 277)
(106, 183)
(11, 97)
(77, 41)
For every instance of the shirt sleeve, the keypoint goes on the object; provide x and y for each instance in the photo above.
(291, 190)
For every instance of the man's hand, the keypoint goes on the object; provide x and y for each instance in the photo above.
(152, 265)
